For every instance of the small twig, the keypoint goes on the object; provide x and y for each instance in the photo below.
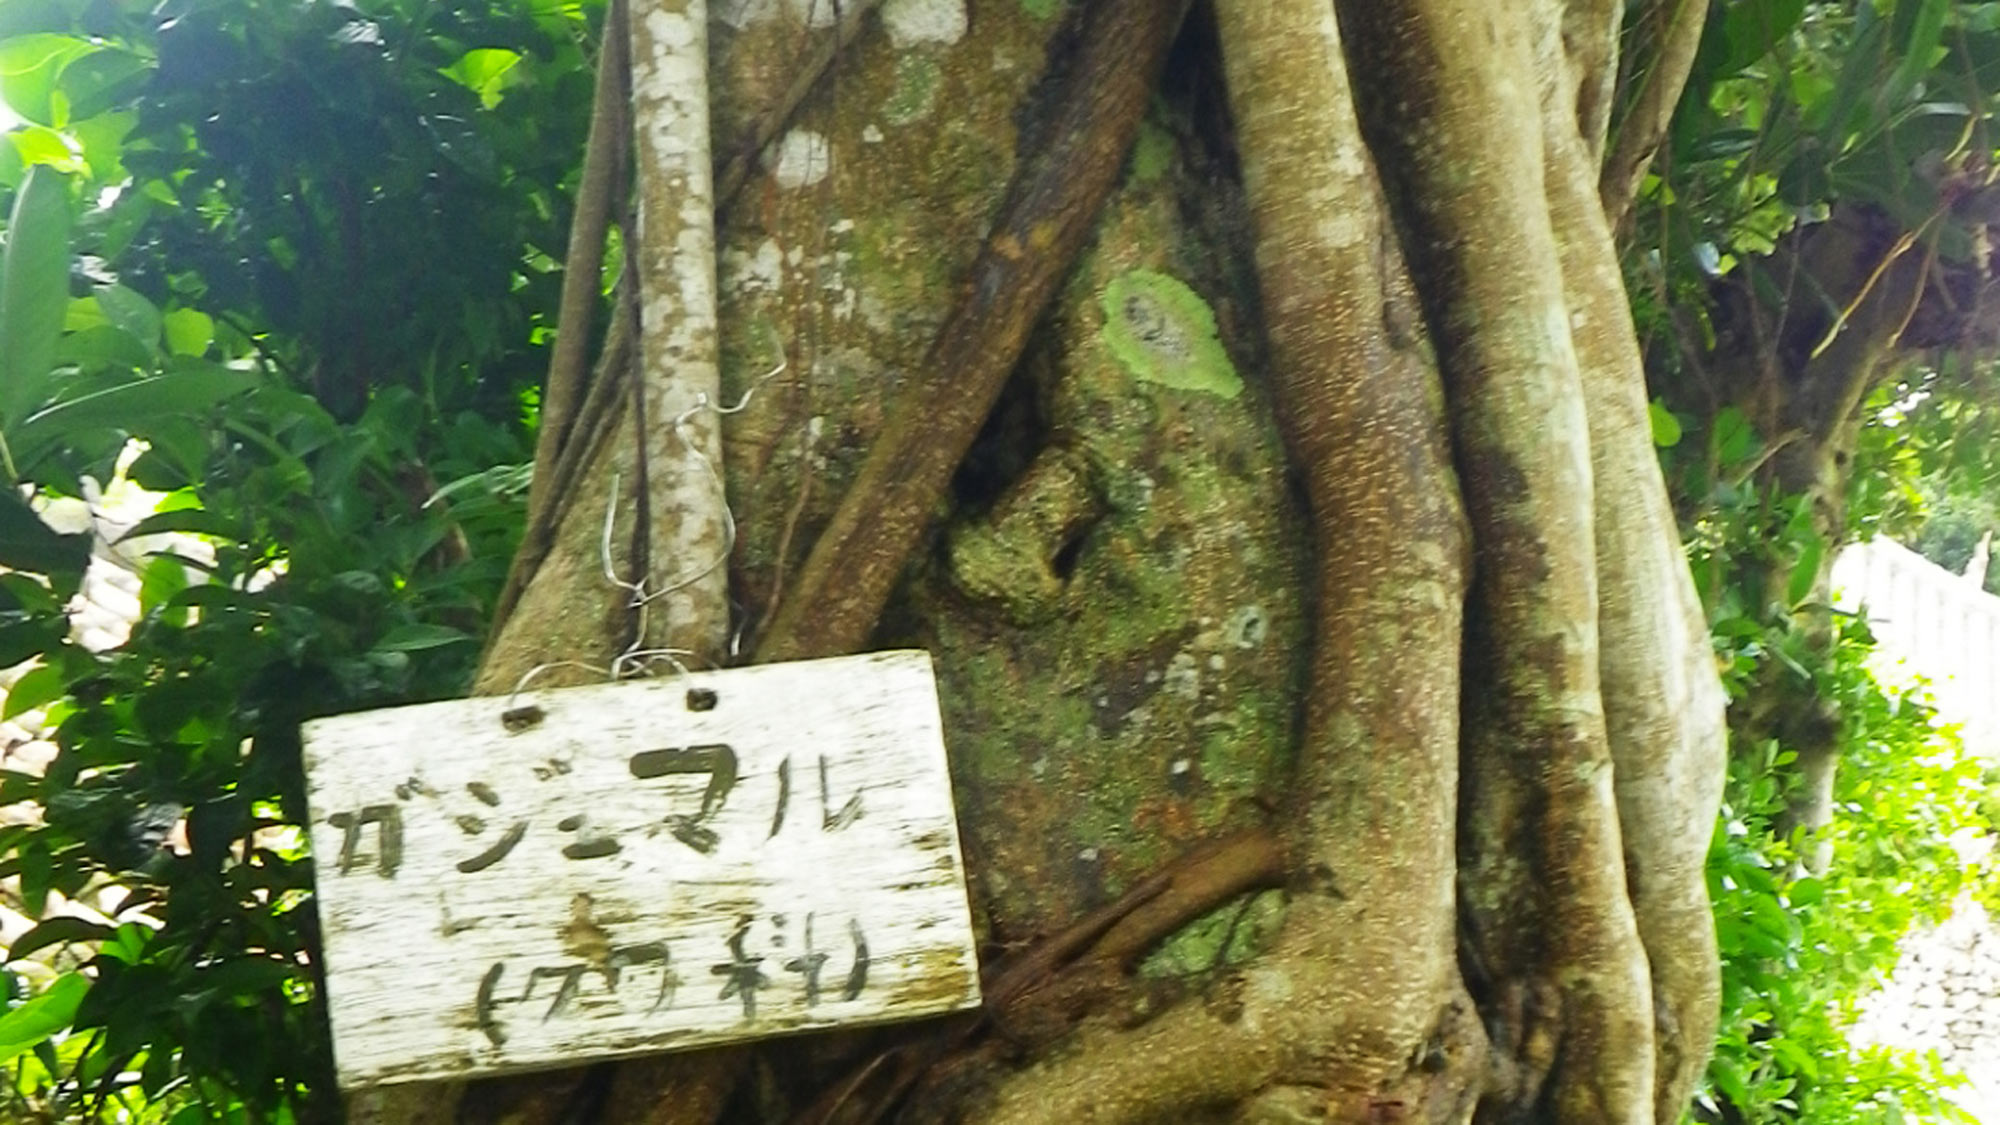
(1197, 883)
(1771, 449)
(1017, 975)
(1917, 290)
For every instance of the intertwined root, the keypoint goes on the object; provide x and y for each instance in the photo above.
(1586, 775)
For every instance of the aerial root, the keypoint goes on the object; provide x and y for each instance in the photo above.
(1041, 992)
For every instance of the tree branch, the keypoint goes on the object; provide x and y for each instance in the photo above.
(1669, 31)
(606, 168)
(1356, 994)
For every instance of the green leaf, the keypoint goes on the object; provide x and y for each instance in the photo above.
(43, 1016)
(36, 686)
(413, 638)
(1728, 1080)
(189, 331)
(94, 82)
(39, 144)
(24, 637)
(1754, 27)
(163, 577)
(484, 71)
(29, 66)
(200, 521)
(1732, 440)
(1860, 74)
(1805, 892)
(1919, 49)
(193, 386)
(56, 931)
(1666, 427)
(1805, 571)
(127, 309)
(34, 291)
(26, 543)
(101, 347)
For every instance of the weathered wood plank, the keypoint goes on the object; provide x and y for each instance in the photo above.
(624, 874)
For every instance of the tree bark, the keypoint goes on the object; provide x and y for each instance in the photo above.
(1306, 500)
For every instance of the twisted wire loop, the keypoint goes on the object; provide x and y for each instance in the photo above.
(637, 660)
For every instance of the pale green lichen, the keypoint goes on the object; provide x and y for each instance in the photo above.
(1008, 559)
(915, 93)
(1228, 935)
(1151, 153)
(1163, 332)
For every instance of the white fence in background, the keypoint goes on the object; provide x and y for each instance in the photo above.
(1931, 624)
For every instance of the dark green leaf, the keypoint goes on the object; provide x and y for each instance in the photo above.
(25, 636)
(1724, 143)
(1754, 27)
(199, 521)
(132, 312)
(43, 1016)
(1805, 572)
(1925, 24)
(55, 931)
(26, 543)
(1728, 1081)
(1860, 75)
(129, 407)
(34, 291)
(413, 638)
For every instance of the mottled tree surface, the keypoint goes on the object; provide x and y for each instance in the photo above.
(1245, 411)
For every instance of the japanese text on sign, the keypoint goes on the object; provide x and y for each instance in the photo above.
(636, 867)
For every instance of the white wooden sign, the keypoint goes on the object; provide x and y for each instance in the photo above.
(601, 871)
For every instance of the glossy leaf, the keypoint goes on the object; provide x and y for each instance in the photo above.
(132, 312)
(43, 1016)
(415, 638)
(34, 291)
(28, 544)
(1666, 427)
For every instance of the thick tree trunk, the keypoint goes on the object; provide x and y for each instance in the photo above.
(1206, 573)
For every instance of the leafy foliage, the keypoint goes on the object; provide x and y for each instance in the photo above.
(1795, 110)
(217, 204)
(1800, 950)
